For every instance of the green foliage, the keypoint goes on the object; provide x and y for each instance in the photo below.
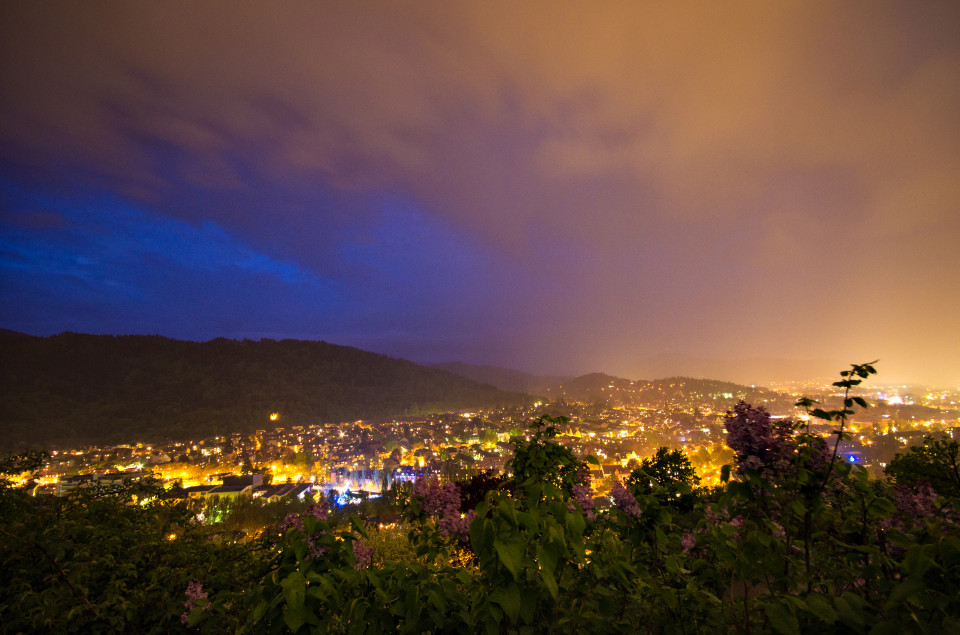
(474, 491)
(669, 475)
(936, 462)
(539, 461)
(106, 561)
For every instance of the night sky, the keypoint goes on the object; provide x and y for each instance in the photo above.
(556, 187)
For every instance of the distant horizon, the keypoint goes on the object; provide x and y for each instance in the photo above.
(734, 376)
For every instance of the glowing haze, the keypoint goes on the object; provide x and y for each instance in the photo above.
(556, 187)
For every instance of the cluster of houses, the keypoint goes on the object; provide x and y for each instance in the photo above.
(231, 486)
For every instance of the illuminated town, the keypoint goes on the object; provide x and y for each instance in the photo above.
(362, 458)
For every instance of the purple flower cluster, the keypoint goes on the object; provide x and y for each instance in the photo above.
(737, 523)
(456, 524)
(626, 501)
(433, 498)
(583, 495)
(916, 506)
(817, 455)
(291, 520)
(319, 511)
(315, 550)
(713, 517)
(444, 503)
(778, 531)
(688, 541)
(194, 592)
(760, 444)
(723, 520)
(363, 554)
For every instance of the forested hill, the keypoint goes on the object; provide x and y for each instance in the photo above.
(600, 388)
(72, 389)
(504, 378)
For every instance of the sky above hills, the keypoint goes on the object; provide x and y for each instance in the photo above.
(554, 187)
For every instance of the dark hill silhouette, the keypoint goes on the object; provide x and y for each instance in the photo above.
(504, 378)
(74, 389)
(613, 390)
(656, 393)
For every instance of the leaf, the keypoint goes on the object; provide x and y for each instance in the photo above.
(672, 564)
(888, 628)
(781, 617)
(481, 536)
(917, 561)
(849, 610)
(575, 524)
(358, 525)
(547, 557)
(904, 590)
(294, 589)
(820, 607)
(294, 618)
(550, 582)
(510, 555)
(438, 600)
(508, 598)
(725, 473)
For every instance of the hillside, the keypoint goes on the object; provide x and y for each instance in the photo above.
(504, 378)
(660, 393)
(73, 389)
(618, 391)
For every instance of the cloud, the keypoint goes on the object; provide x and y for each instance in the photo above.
(673, 156)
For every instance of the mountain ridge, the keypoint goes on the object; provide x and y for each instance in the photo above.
(77, 388)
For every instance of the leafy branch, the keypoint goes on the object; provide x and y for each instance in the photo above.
(851, 379)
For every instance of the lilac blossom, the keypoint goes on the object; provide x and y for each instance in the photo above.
(818, 455)
(315, 550)
(583, 495)
(914, 506)
(626, 501)
(688, 541)
(363, 554)
(760, 444)
(194, 592)
(291, 520)
(712, 516)
(444, 503)
(736, 523)
(722, 519)
(319, 511)
(778, 531)
(429, 495)
(456, 524)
